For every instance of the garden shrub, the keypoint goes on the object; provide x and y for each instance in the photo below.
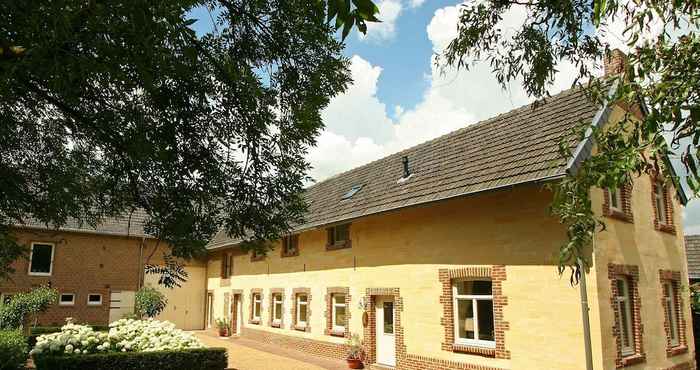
(150, 302)
(191, 359)
(13, 350)
(24, 306)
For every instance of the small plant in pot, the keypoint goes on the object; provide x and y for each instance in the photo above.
(356, 352)
(224, 326)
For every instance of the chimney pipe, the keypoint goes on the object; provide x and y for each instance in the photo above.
(614, 63)
(406, 170)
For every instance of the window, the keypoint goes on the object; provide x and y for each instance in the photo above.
(290, 245)
(388, 310)
(660, 205)
(670, 302)
(615, 199)
(257, 307)
(302, 310)
(473, 306)
(624, 316)
(352, 192)
(41, 259)
(94, 300)
(66, 299)
(338, 314)
(256, 255)
(226, 265)
(339, 236)
(277, 309)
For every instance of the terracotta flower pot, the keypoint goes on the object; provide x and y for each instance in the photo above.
(223, 332)
(354, 363)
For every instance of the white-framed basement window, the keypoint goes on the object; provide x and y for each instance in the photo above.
(302, 310)
(624, 316)
(66, 299)
(672, 315)
(615, 199)
(473, 306)
(277, 309)
(94, 299)
(338, 314)
(41, 259)
(257, 306)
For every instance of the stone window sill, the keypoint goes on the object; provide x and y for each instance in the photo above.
(301, 327)
(666, 228)
(474, 350)
(633, 360)
(276, 325)
(678, 350)
(619, 215)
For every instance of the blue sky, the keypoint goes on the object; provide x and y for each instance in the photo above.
(399, 99)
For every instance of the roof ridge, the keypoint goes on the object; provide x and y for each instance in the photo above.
(468, 127)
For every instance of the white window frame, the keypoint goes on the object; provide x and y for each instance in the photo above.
(94, 303)
(623, 298)
(257, 302)
(71, 303)
(615, 194)
(31, 256)
(300, 303)
(660, 203)
(670, 300)
(277, 299)
(474, 298)
(338, 328)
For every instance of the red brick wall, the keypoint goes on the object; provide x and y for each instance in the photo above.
(83, 264)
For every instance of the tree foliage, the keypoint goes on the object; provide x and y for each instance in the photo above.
(113, 106)
(25, 306)
(150, 302)
(662, 73)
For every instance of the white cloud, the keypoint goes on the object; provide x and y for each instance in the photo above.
(416, 3)
(389, 11)
(359, 128)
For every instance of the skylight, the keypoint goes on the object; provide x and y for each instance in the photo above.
(352, 191)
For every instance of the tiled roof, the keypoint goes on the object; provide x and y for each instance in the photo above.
(512, 148)
(127, 225)
(692, 250)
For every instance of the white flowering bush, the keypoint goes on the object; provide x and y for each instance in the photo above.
(125, 335)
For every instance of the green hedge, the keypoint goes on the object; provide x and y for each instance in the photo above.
(194, 359)
(13, 350)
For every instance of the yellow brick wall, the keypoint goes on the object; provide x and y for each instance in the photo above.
(638, 243)
(405, 250)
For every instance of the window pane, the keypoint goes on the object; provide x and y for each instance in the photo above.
(388, 317)
(621, 288)
(474, 287)
(66, 298)
(41, 258)
(94, 298)
(302, 298)
(625, 332)
(340, 316)
(465, 319)
(339, 298)
(278, 311)
(485, 315)
(302, 313)
(341, 233)
(614, 199)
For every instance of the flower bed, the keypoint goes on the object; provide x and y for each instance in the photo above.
(129, 344)
(124, 335)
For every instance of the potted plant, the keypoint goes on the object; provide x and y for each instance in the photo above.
(356, 352)
(224, 326)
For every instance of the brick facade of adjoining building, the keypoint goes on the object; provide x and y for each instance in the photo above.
(83, 264)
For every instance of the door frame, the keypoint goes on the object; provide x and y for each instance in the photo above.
(237, 311)
(209, 310)
(370, 331)
(379, 328)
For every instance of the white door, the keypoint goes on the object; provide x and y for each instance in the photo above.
(121, 302)
(386, 344)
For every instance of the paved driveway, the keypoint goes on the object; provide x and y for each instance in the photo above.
(245, 354)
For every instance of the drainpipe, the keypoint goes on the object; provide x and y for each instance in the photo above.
(140, 282)
(584, 313)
